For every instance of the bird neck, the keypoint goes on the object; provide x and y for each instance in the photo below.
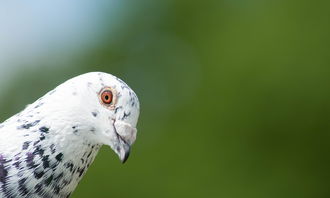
(48, 160)
(66, 160)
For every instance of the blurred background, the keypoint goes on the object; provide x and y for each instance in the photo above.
(235, 97)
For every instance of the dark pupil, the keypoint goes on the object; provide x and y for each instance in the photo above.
(106, 97)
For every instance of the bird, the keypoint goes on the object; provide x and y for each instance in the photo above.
(47, 148)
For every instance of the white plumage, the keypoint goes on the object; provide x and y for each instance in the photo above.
(46, 149)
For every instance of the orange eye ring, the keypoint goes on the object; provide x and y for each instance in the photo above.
(107, 97)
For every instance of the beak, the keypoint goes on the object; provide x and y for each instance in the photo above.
(123, 151)
(126, 135)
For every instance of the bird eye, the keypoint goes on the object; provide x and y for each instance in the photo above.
(107, 96)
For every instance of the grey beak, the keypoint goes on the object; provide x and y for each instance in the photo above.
(124, 152)
(126, 136)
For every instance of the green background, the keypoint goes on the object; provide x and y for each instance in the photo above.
(235, 97)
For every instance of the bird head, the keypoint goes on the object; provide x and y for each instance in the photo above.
(97, 107)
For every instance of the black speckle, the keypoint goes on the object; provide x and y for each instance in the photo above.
(3, 170)
(92, 130)
(48, 180)
(81, 171)
(69, 165)
(59, 157)
(122, 82)
(126, 115)
(44, 129)
(38, 105)
(42, 137)
(29, 160)
(38, 173)
(45, 161)
(94, 114)
(124, 87)
(89, 154)
(74, 93)
(52, 148)
(26, 145)
(21, 187)
(52, 92)
(57, 190)
(29, 125)
(75, 130)
(117, 109)
(38, 151)
(38, 187)
(36, 142)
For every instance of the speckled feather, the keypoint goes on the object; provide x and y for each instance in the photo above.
(47, 148)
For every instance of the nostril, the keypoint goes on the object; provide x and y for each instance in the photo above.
(125, 131)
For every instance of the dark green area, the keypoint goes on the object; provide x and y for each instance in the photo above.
(235, 99)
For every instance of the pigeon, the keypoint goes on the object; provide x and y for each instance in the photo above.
(47, 148)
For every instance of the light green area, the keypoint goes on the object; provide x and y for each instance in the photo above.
(235, 99)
